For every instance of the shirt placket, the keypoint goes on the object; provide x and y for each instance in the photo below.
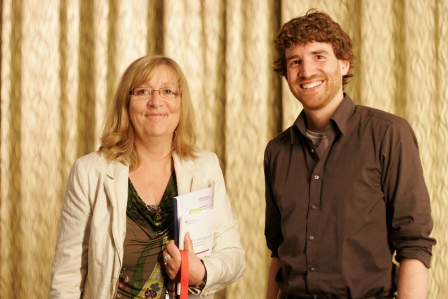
(313, 267)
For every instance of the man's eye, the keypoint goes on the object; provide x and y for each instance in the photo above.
(294, 63)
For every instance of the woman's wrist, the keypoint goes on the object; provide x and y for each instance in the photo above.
(201, 284)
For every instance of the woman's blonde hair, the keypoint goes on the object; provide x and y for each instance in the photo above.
(117, 140)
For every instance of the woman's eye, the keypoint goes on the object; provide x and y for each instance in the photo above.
(143, 91)
(169, 92)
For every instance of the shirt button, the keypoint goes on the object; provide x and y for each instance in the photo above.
(315, 296)
(316, 177)
(312, 269)
(313, 207)
(312, 150)
(311, 238)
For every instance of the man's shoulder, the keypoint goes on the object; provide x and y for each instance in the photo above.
(281, 141)
(382, 121)
(378, 115)
(283, 137)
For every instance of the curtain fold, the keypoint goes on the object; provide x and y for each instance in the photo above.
(61, 60)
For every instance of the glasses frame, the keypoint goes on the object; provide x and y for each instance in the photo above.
(151, 92)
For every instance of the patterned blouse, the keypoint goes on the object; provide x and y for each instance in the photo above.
(148, 229)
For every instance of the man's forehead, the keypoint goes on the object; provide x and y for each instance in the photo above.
(310, 47)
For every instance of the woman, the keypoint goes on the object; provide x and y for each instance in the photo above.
(116, 230)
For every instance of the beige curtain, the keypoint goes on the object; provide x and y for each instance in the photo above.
(60, 61)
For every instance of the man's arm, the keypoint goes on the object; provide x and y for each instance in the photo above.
(412, 279)
(273, 288)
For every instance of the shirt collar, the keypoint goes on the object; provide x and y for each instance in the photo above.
(343, 114)
(338, 121)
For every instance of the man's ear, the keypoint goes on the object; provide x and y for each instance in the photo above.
(345, 66)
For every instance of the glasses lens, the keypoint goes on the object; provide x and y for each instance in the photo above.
(146, 92)
(168, 92)
(142, 92)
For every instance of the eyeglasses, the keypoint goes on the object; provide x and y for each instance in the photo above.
(147, 92)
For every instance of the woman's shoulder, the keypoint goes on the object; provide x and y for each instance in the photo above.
(197, 155)
(202, 158)
(97, 161)
(93, 158)
(205, 154)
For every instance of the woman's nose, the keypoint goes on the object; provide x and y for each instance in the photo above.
(156, 100)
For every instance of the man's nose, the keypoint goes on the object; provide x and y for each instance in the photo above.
(306, 69)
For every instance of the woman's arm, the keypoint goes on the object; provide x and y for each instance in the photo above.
(226, 263)
(70, 261)
(173, 263)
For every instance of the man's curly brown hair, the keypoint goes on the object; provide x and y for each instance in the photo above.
(314, 26)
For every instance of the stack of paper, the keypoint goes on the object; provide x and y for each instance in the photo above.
(193, 212)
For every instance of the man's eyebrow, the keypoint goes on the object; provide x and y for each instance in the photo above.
(321, 51)
(291, 57)
(315, 52)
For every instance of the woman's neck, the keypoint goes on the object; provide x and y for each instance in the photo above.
(153, 151)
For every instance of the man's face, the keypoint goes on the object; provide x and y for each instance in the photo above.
(314, 74)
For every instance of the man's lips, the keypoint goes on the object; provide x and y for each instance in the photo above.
(311, 85)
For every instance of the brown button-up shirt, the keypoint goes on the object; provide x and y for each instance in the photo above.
(335, 222)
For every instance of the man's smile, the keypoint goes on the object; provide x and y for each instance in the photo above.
(311, 85)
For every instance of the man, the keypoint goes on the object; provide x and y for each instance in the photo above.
(344, 184)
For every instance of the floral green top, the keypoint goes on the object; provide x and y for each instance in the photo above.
(148, 229)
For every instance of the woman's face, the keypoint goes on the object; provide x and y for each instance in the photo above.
(154, 116)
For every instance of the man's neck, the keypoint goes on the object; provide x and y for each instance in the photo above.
(315, 123)
(318, 119)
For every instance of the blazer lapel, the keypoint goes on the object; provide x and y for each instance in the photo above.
(116, 186)
(184, 170)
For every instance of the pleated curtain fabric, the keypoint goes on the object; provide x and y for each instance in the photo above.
(61, 59)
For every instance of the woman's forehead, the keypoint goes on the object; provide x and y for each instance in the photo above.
(167, 71)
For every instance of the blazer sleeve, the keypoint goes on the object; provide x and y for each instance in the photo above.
(70, 261)
(226, 263)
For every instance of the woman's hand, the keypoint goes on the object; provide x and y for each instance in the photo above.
(172, 259)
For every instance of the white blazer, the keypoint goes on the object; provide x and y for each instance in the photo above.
(89, 251)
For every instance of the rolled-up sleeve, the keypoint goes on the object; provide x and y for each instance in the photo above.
(407, 197)
(272, 229)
